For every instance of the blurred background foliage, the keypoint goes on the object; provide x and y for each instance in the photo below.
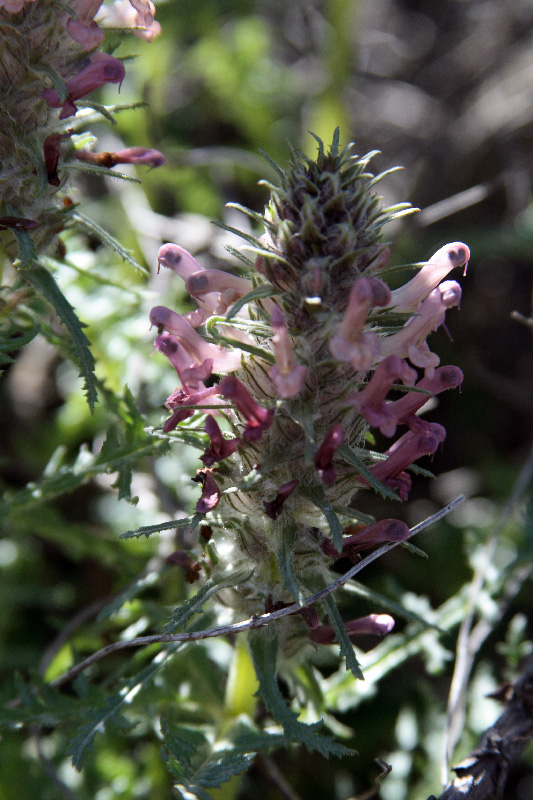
(445, 90)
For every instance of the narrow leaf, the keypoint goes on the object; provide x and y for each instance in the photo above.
(343, 639)
(41, 280)
(106, 238)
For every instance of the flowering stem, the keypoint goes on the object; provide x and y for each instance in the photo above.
(254, 621)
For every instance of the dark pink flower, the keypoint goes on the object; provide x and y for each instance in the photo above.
(385, 530)
(210, 491)
(219, 447)
(257, 417)
(102, 69)
(370, 401)
(191, 374)
(51, 148)
(408, 449)
(274, 507)
(323, 459)
(378, 624)
(443, 378)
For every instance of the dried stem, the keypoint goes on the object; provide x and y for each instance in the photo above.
(470, 639)
(255, 621)
(482, 775)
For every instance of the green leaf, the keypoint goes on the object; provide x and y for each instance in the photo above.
(106, 238)
(265, 290)
(343, 639)
(96, 719)
(264, 648)
(285, 555)
(317, 496)
(147, 530)
(346, 452)
(195, 763)
(182, 614)
(82, 166)
(41, 280)
(304, 416)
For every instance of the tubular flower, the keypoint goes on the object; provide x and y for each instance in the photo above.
(219, 447)
(102, 69)
(351, 343)
(310, 367)
(323, 459)
(410, 342)
(130, 155)
(376, 624)
(258, 419)
(274, 508)
(410, 296)
(370, 401)
(386, 530)
(287, 376)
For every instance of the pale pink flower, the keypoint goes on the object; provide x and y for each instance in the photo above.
(287, 376)
(410, 341)
(410, 296)
(370, 401)
(351, 343)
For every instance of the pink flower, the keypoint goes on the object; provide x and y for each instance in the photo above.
(404, 409)
(197, 348)
(378, 624)
(14, 6)
(219, 447)
(184, 397)
(410, 341)
(408, 449)
(132, 13)
(323, 459)
(287, 376)
(210, 491)
(130, 155)
(102, 69)
(370, 401)
(257, 417)
(385, 530)
(410, 296)
(87, 35)
(185, 265)
(228, 287)
(360, 348)
(274, 507)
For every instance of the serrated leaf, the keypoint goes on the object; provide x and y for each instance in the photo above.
(83, 166)
(96, 719)
(147, 530)
(194, 762)
(182, 614)
(264, 648)
(346, 452)
(106, 238)
(44, 283)
(346, 647)
(285, 555)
